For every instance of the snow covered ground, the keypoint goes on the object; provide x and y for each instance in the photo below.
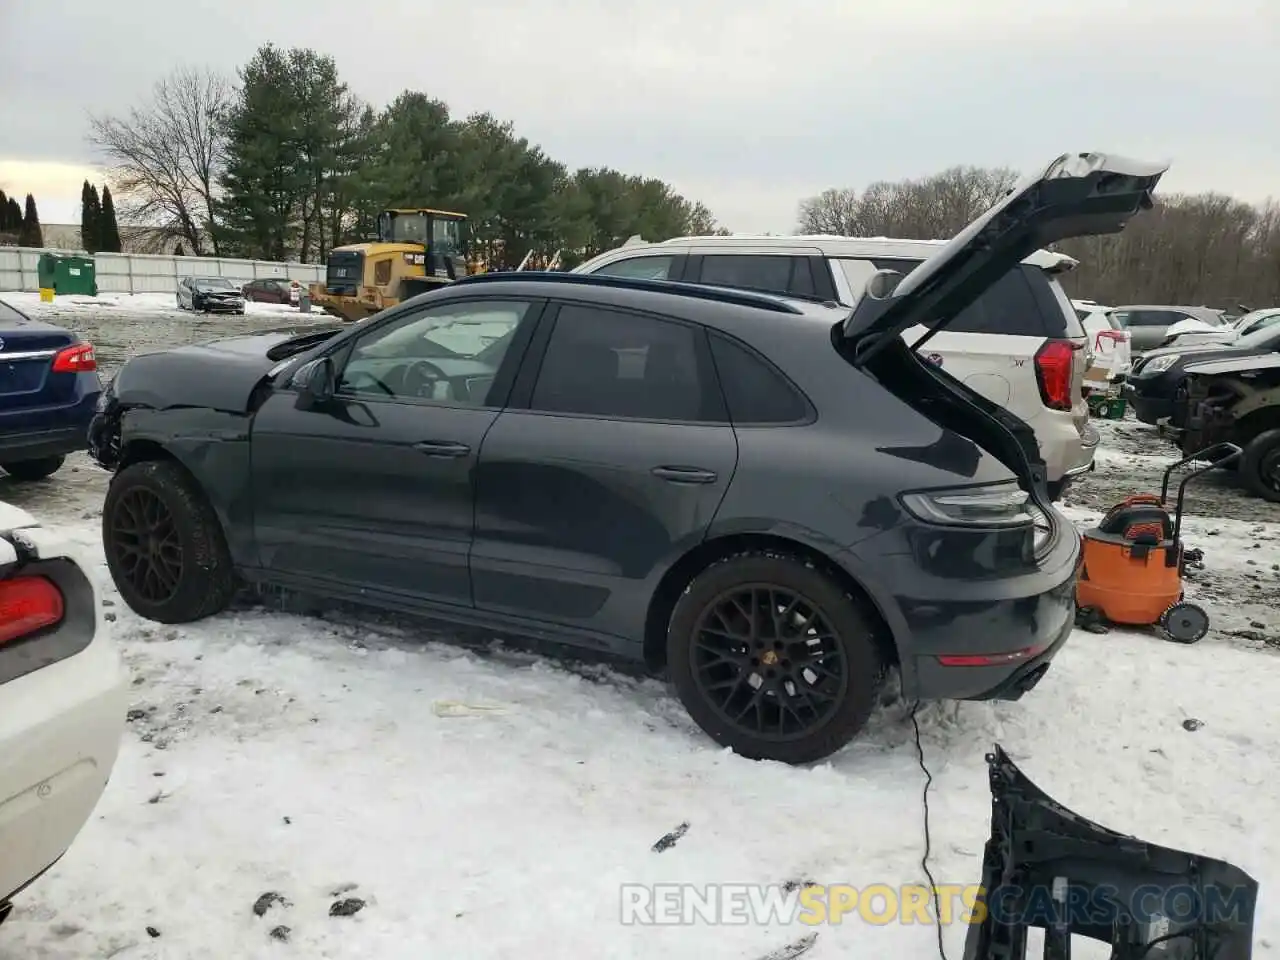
(324, 760)
(72, 306)
(488, 803)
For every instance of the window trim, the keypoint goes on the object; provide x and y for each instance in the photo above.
(521, 395)
(503, 379)
(811, 410)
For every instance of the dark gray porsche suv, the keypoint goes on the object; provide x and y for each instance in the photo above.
(774, 509)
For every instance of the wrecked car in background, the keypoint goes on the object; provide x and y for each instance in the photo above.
(1234, 399)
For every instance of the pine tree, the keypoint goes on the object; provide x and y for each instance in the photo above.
(4, 212)
(31, 235)
(90, 218)
(14, 216)
(109, 232)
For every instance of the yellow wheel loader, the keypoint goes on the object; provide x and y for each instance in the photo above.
(417, 250)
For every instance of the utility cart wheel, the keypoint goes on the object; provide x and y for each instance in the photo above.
(1185, 623)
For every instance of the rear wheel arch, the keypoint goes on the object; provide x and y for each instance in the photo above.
(709, 552)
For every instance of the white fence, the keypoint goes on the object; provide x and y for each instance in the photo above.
(146, 273)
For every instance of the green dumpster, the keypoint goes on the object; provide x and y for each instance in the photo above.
(67, 274)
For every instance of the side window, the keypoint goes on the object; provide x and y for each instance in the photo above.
(638, 268)
(449, 353)
(784, 276)
(382, 273)
(755, 390)
(606, 363)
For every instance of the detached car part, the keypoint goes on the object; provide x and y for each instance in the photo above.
(1047, 867)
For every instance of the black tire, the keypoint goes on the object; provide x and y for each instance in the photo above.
(1185, 623)
(204, 582)
(851, 634)
(32, 470)
(1259, 466)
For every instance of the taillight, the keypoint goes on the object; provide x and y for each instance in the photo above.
(28, 604)
(78, 358)
(1054, 363)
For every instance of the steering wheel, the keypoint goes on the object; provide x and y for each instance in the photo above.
(421, 378)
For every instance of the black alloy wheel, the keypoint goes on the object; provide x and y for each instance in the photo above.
(774, 658)
(164, 544)
(768, 661)
(148, 549)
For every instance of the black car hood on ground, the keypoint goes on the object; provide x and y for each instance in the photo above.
(1078, 194)
(1049, 868)
(221, 374)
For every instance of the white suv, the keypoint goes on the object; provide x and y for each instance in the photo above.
(1020, 344)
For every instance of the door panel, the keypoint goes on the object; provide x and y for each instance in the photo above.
(372, 488)
(574, 515)
(350, 494)
(612, 460)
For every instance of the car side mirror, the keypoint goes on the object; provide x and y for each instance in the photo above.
(882, 284)
(315, 383)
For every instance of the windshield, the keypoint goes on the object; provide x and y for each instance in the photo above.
(213, 283)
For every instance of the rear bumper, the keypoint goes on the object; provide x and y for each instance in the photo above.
(61, 718)
(1067, 449)
(976, 639)
(60, 730)
(43, 443)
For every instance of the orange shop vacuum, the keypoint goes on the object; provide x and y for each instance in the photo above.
(1133, 561)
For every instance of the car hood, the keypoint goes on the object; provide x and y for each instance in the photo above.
(1078, 194)
(1235, 363)
(1193, 352)
(1047, 867)
(220, 375)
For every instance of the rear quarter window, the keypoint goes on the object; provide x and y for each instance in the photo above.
(1025, 302)
(755, 391)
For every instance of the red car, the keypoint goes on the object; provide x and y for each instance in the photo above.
(272, 290)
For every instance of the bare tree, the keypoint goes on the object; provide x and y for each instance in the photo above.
(1203, 249)
(833, 211)
(167, 153)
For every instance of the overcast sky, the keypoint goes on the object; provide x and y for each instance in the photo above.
(748, 105)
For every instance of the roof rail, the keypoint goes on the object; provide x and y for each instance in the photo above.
(741, 298)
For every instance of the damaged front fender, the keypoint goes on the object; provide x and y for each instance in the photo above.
(1047, 867)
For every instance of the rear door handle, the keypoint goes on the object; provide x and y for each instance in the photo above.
(684, 474)
(442, 448)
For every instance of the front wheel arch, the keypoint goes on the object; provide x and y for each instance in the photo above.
(709, 552)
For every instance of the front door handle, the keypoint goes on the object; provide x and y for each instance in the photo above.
(442, 448)
(684, 474)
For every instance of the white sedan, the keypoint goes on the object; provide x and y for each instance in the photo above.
(63, 699)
